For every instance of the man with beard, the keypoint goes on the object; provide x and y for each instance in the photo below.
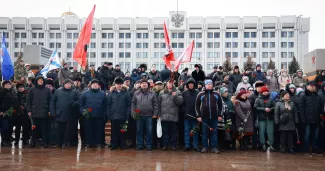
(106, 74)
(64, 73)
(117, 72)
(38, 107)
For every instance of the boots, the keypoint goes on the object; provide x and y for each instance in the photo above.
(241, 143)
(283, 150)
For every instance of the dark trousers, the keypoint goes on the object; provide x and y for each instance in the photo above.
(25, 122)
(94, 128)
(169, 133)
(118, 138)
(286, 139)
(321, 139)
(61, 133)
(52, 131)
(73, 132)
(180, 127)
(131, 133)
(311, 134)
(41, 130)
(4, 129)
(15, 122)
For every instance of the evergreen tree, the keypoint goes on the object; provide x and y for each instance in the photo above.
(249, 65)
(20, 57)
(271, 65)
(227, 67)
(293, 66)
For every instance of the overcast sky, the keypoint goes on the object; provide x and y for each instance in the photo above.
(160, 8)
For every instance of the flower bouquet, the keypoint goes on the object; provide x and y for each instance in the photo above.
(86, 113)
(136, 114)
(124, 127)
(9, 112)
(228, 125)
(194, 130)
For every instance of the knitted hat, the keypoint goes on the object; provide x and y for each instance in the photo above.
(66, 81)
(223, 90)
(118, 80)
(5, 82)
(50, 82)
(240, 94)
(292, 86)
(208, 81)
(94, 81)
(158, 82)
(264, 89)
(284, 93)
(18, 85)
(299, 90)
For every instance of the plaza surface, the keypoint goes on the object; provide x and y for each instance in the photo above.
(72, 159)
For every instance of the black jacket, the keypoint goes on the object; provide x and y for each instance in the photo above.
(118, 73)
(8, 99)
(261, 103)
(311, 108)
(119, 104)
(198, 76)
(235, 78)
(106, 75)
(189, 97)
(165, 75)
(208, 105)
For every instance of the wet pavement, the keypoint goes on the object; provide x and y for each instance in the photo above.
(72, 159)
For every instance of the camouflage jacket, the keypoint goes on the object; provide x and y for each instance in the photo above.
(20, 71)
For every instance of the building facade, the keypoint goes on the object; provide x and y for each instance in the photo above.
(132, 41)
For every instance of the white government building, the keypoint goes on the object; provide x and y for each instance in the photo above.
(132, 41)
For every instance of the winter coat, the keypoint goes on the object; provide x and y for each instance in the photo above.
(134, 76)
(53, 75)
(96, 100)
(169, 105)
(20, 71)
(8, 99)
(208, 105)
(165, 75)
(289, 117)
(106, 75)
(118, 73)
(244, 111)
(311, 108)
(119, 104)
(154, 76)
(252, 98)
(231, 87)
(299, 81)
(189, 97)
(62, 104)
(38, 100)
(146, 101)
(198, 75)
(235, 78)
(22, 98)
(183, 77)
(259, 76)
(321, 93)
(260, 104)
(272, 83)
(218, 76)
(74, 75)
(88, 76)
(283, 80)
(64, 73)
(243, 85)
(294, 98)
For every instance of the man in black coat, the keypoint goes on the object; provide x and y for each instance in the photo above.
(321, 141)
(198, 74)
(38, 108)
(63, 101)
(106, 74)
(165, 74)
(311, 112)
(117, 72)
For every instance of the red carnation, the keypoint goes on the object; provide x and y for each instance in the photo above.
(122, 130)
(211, 129)
(191, 134)
(33, 127)
(288, 81)
(298, 142)
(137, 110)
(322, 117)
(228, 130)
(14, 111)
(90, 109)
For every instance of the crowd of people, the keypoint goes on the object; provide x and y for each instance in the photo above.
(202, 112)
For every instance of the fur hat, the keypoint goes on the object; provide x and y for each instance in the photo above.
(284, 93)
(66, 81)
(78, 79)
(118, 80)
(196, 65)
(50, 82)
(18, 85)
(5, 82)
(264, 89)
(259, 84)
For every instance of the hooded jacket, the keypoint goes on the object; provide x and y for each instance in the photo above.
(38, 100)
(209, 105)
(189, 97)
(311, 107)
(165, 74)
(259, 76)
(118, 73)
(169, 105)
(106, 75)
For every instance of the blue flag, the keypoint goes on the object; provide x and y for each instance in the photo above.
(7, 67)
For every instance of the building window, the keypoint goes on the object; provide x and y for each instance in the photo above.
(235, 54)
(41, 35)
(69, 35)
(291, 44)
(23, 35)
(291, 54)
(210, 54)
(253, 34)
(104, 35)
(198, 45)
(127, 54)
(216, 44)
(156, 45)
(192, 35)
(253, 44)
(228, 34)
(265, 44)
(52, 35)
(127, 45)
(104, 45)
(58, 35)
(155, 55)
(235, 44)
(265, 34)
(17, 35)
(139, 45)
(228, 54)
(16, 44)
(246, 44)
(181, 35)
(283, 44)
(110, 54)
(174, 45)
(34, 43)
(75, 35)
(253, 54)
(216, 35)
(210, 66)
(291, 34)
(58, 45)
(246, 34)
(283, 34)
(264, 65)
(210, 35)
(246, 54)
(162, 45)
(145, 54)
(16, 54)
(24, 43)
(69, 45)
(174, 35)
(210, 44)
(74, 45)
(103, 54)
(145, 35)
(180, 45)
(228, 45)
(110, 35)
(110, 45)
(198, 35)
(272, 44)
(139, 35)
(235, 35)
(121, 35)
(121, 45)
(283, 54)
(41, 43)
(138, 55)
(265, 54)
(156, 35)
(272, 34)
(121, 54)
(283, 65)
(34, 35)
(92, 54)
(93, 35)
(162, 35)
(272, 54)
(128, 35)
(145, 45)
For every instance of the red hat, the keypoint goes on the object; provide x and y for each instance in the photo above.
(240, 94)
(264, 89)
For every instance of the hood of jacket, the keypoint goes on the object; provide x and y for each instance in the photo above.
(269, 71)
(288, 90)
(124, 88)
(36, 79)
(190, 80)
(274, 95)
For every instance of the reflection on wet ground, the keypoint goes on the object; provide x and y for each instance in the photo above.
(71, 159)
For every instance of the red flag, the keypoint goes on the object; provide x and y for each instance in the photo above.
(169, 56)
(186, 56)
(80, 52)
